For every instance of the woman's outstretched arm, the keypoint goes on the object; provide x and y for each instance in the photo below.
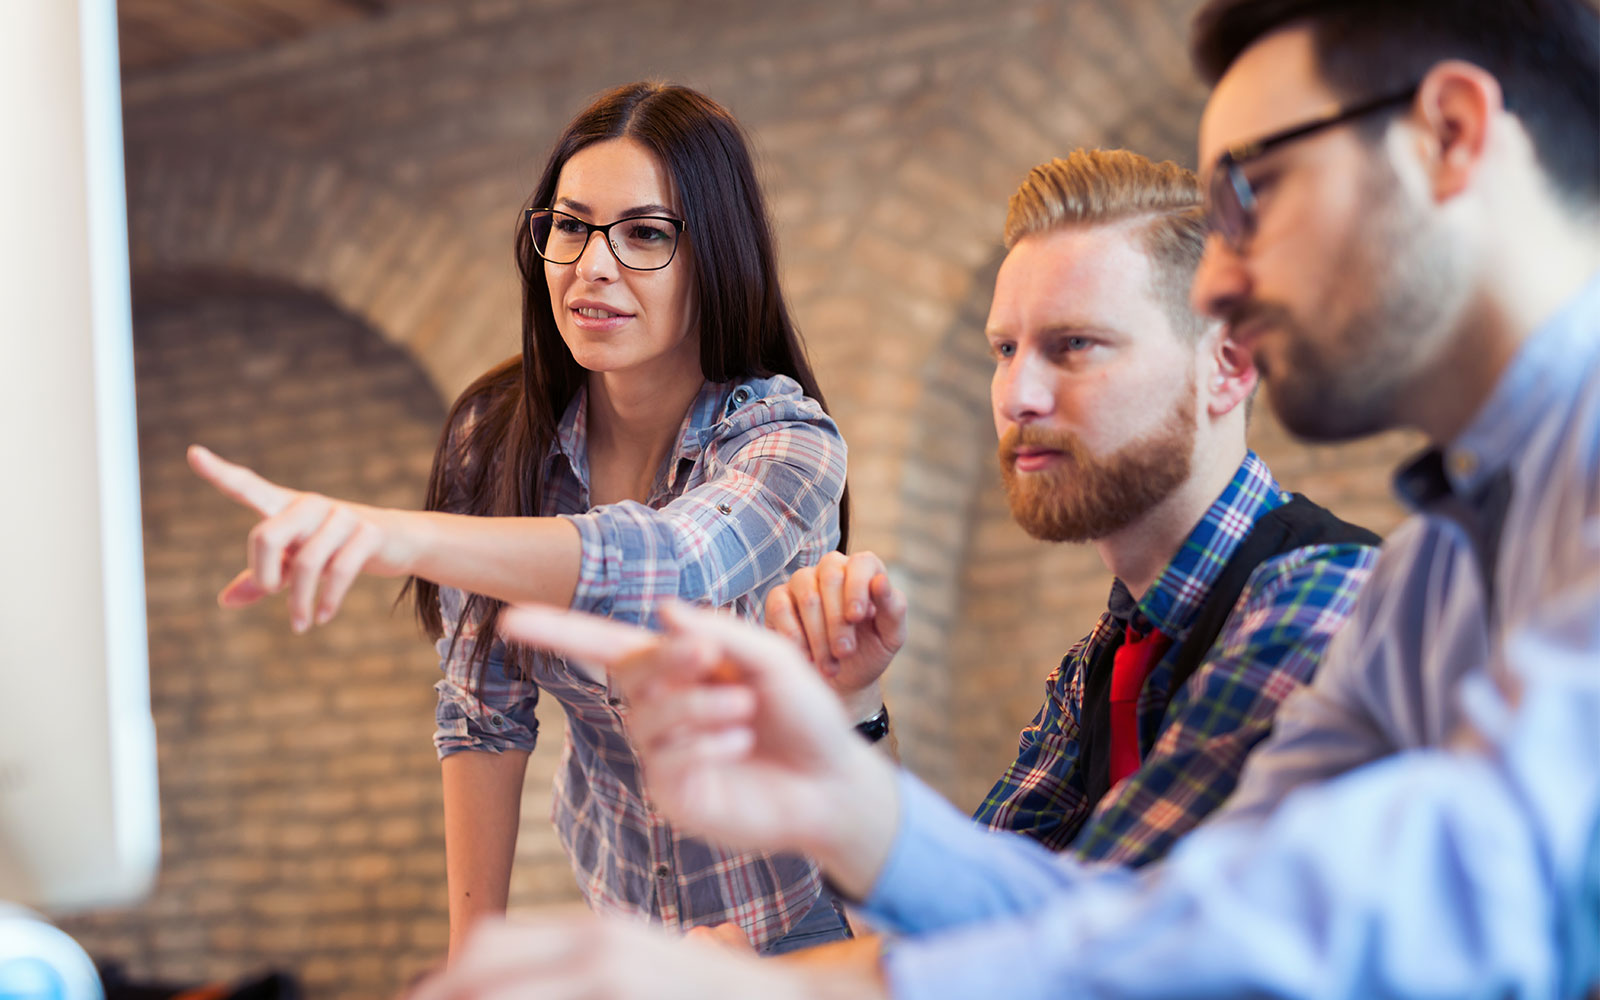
(777, 469)
(315, 546)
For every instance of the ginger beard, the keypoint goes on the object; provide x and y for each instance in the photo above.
(1085, 497)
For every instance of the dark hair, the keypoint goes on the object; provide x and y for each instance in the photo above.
(490, 457)
(1544, 53)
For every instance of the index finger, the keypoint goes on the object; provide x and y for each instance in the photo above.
(755, 653)
(576, 635)
(859, 572)
(783, 619)
(238, 483)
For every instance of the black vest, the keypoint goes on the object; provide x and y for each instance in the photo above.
(1294, 525)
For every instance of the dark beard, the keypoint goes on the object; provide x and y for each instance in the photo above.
(1089, 498)
(1347, 383)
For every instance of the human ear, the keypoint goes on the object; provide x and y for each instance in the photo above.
(1231, 373)
(1457, 106)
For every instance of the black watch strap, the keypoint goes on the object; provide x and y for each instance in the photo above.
(877, 727)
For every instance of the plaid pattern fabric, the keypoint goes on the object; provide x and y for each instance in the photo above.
(749, 495)
(1194, 746)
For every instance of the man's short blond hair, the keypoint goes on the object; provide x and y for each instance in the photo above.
(1093, 187)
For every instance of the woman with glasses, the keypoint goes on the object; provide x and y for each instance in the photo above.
(660, 437)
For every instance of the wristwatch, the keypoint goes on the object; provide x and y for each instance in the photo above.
(877, 727)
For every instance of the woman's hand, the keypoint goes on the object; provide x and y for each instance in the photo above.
(315, 546)
(847, 616)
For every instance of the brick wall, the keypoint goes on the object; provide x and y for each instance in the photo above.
(377, 168)
(382, 165)
(301, 817)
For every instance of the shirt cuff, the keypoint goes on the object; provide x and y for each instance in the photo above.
(944, 870)
(597, 576)
(465, 722)
(962, 965)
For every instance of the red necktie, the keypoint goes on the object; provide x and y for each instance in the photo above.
(1135, 658)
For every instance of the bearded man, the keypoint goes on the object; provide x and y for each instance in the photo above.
(1121, 416)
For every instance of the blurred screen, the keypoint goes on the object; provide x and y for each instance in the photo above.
(78, 813)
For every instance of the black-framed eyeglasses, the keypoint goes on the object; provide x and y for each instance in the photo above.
(639, 242)
(1231, 207)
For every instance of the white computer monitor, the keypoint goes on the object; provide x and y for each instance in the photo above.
(78, 813)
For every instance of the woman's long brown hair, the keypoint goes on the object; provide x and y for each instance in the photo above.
(491, 453)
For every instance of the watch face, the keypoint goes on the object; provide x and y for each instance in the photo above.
(875, 728)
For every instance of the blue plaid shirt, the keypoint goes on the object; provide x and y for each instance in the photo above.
(749, 494)
(1193, 747)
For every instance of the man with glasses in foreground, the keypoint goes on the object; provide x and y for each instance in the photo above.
(1425, 820)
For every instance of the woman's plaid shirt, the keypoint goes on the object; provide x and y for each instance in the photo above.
(749, 495)
(1194, 746)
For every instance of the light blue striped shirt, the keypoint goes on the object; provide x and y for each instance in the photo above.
(1409, 869)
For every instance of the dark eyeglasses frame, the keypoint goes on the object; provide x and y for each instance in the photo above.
(605, 231)
(1229, 168)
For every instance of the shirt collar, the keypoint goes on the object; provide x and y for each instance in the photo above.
(572, 436)
(1172, 601)
(699, 425)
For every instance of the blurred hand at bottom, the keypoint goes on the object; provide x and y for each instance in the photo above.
(728, 935)
(595, 958)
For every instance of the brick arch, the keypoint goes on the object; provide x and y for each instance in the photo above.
(947, 462)
(402, 268)
(300, 808)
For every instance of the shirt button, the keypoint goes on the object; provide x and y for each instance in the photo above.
(723, 508)
(497, 721)
(662, 871)
(741, 396)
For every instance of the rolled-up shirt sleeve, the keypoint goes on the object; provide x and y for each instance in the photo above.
(774, 473)
(482, 706)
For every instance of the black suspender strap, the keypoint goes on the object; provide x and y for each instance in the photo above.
(1294, 525)
(1094, 720)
